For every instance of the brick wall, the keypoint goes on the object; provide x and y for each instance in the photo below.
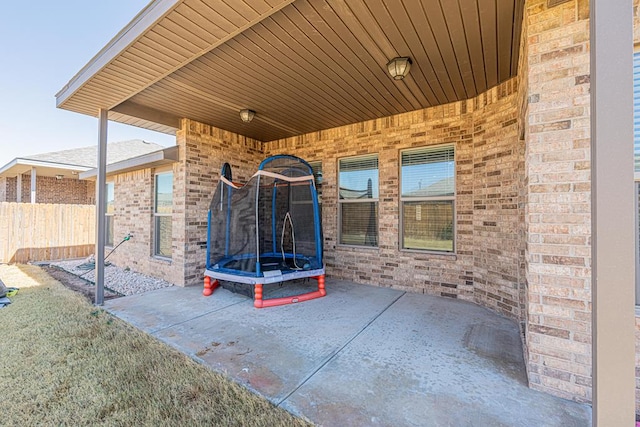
(91, 192)
(203, 151)
(52, 190)
(10, 189)
(489, 166)
(498, 168)
(133, 213)
(48, 190)
(3, 189)
(558, 214)
(523, 114)
(25, 195)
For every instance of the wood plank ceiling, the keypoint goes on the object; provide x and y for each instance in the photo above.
(302, 65)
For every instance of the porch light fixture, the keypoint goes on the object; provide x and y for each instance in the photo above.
(247, 115)
(59, 177)
(399, 67)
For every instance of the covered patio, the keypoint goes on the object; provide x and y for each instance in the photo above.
(521, 98)
(363, 355)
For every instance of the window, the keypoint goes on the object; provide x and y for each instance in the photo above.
(316, 167)
(162, 214)
(358, 200)
(428, 198)
(110, 209)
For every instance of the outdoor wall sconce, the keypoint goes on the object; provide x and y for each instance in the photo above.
(59, 177)
(247, 115)
(399, 67)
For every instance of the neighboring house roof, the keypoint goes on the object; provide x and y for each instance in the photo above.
(157, 158)
(71, 162)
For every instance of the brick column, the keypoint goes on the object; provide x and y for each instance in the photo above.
(203, 151)
(558, 210)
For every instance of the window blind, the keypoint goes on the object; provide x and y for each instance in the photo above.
(428, 172)
(358, 177)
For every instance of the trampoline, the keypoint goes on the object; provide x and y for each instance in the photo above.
(266, 231)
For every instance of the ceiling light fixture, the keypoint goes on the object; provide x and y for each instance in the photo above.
(399, 67)
(247, 115)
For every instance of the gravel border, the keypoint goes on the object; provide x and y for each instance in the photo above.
(120, 280)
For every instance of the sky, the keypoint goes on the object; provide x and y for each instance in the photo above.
(43, 44)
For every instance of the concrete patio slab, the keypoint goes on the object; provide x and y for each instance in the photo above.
(163, 308)
(360, 356)
(429, 361)
(273, 351)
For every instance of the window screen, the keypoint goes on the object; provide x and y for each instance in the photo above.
(162, 214)
(358, 200)
(109, 211)
(428, 198)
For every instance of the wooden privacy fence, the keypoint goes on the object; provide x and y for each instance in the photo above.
(39, 232)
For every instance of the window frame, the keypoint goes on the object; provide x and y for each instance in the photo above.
(316, 168)
(109, 216)
(402, 199)
(375, 200)
(156, 215)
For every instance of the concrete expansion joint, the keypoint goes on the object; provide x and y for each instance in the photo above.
(193, 318)
(335, 354)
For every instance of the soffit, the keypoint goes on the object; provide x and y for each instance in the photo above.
(50, 169)
(302, 65)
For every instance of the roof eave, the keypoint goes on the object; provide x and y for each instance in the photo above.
(155, 159)
(152, 13)
(9, 170)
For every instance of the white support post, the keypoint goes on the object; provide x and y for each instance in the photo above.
(101, 205)
(612, 212)
(19, 188)
(33, 184)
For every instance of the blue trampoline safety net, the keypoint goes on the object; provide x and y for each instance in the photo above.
(271, 223)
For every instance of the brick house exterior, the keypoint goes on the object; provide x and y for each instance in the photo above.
(49, 190)
(522, 202)
(57, 173)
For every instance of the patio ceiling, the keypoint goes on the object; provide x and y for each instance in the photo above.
(302, 65)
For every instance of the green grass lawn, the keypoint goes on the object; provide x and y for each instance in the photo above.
(65, 362)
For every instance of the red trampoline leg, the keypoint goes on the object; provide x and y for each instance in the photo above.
(321, 288)
(209, 286)
(258, 302)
